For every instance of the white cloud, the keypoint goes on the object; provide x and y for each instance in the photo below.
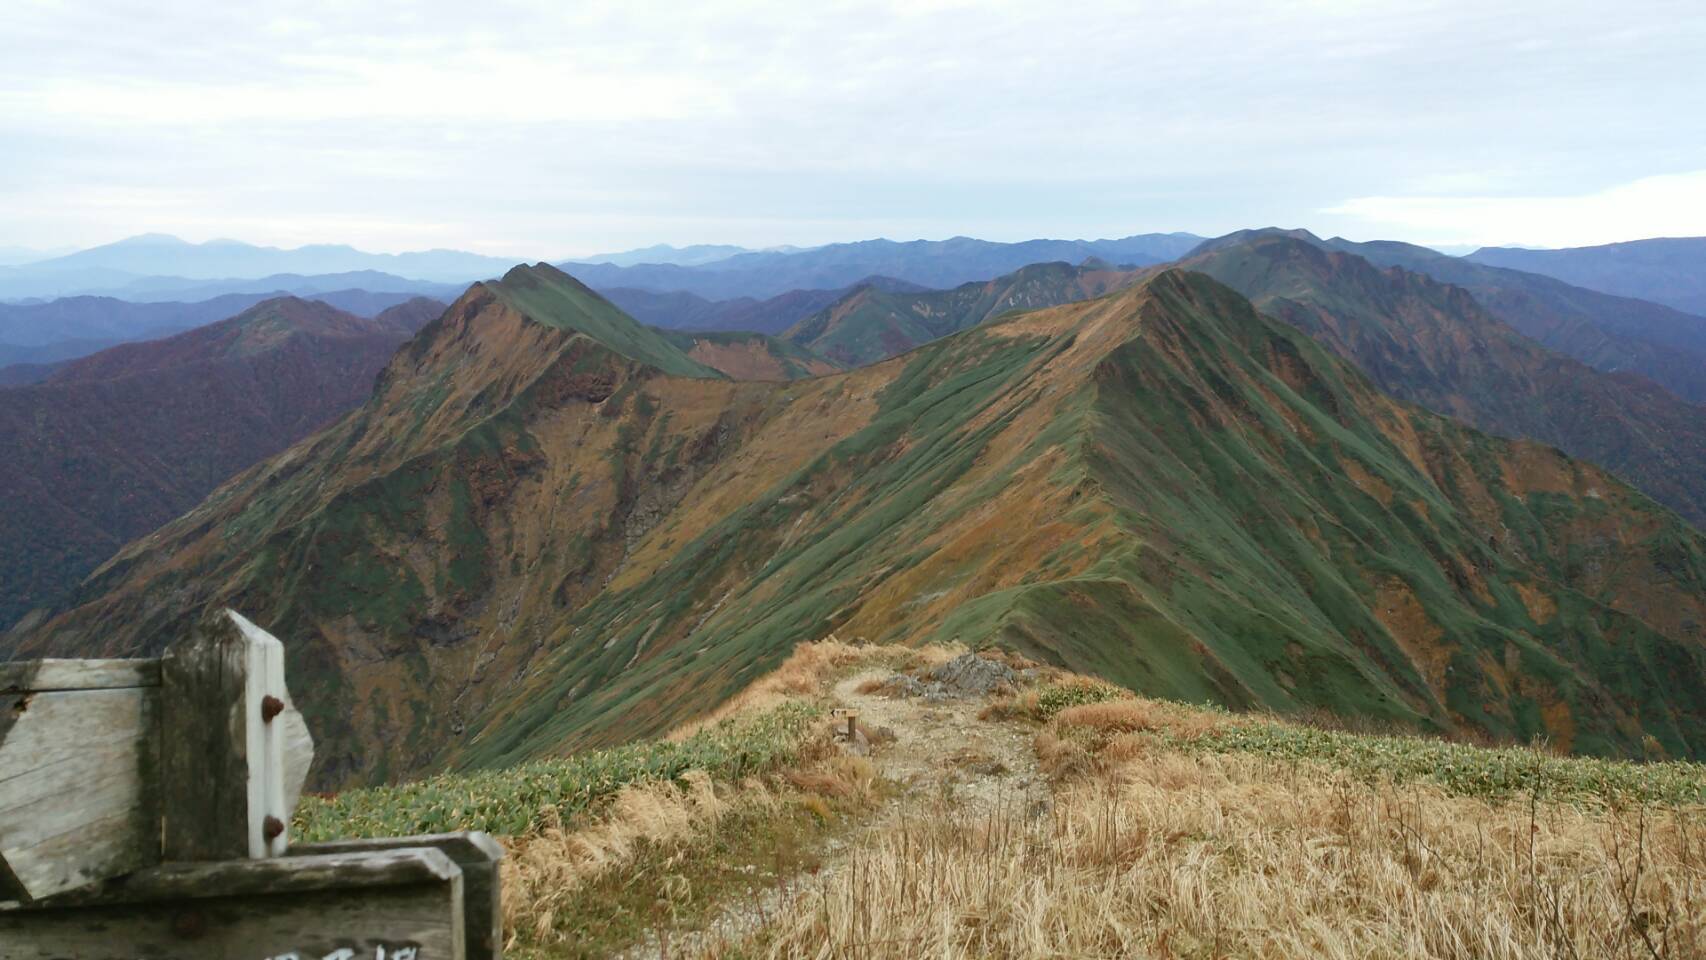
(557, 126)
(1661, 206)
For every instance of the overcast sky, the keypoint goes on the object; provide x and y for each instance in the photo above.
(556, 128)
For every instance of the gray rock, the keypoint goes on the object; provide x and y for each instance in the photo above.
(970, 675)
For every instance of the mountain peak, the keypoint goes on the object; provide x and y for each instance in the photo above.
(1244, 236)
(151, 240)
(548, 296)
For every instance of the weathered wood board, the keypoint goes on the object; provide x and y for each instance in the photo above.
(79, 756)
(476, 853)
(21, 675)
(234, 750)
(389, 905)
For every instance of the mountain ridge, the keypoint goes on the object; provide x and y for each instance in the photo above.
(528, 542)
(1433, 343)
(867, 323)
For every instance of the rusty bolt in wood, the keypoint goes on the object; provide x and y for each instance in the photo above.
(271, 707)
(271, 827)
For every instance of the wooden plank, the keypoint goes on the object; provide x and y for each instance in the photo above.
(476, 853)
(24, 676)
(78, 787)
(407, 903)
(344, 870)
(234, 749)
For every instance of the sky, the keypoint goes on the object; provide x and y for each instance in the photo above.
(553, 128)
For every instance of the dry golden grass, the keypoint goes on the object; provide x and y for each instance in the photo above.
(1241, 856)
(1159, 843)
(542, 870)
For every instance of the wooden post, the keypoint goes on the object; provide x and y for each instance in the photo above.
(234, 751)
(79, 748)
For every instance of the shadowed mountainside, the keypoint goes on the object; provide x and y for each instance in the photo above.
(114, 444)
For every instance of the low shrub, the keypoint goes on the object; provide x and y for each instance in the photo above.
(517, 799)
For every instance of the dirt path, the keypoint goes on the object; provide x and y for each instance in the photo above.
(942, 754)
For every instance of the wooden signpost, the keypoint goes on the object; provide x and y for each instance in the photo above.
(145, 809)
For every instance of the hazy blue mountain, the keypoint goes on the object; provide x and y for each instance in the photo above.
(935, 264)
(114, 265)
(689, 256)
(1669, 270)
(151, 289)
(11, 256)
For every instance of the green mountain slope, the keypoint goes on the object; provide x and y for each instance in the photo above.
(528, 542)
(1433, 344)
(549, 296)
(870, 324)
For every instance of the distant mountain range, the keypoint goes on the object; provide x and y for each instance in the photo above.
(935, 264)
(688, 256)
(151, 289)
(112, 445)
(550, 526)
(158, 266)
(161, 255)
(1670, 270)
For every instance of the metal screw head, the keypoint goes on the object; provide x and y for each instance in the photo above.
(271, 707)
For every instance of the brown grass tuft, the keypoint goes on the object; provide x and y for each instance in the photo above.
(541, 871)
(839, 776)
(1113, 716)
